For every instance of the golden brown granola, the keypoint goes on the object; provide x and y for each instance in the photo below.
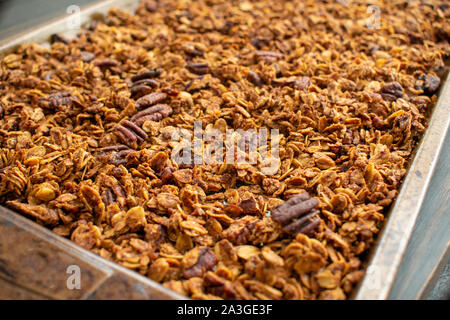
(86, 126)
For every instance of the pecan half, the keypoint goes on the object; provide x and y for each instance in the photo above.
(268, 56)
(154, 113)
(151, 99)
(198, 68)
(130, 133)
(106, 63)
(153, 73)
(297, 215)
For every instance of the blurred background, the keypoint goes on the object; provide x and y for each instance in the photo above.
(19, 15)
(431, 235)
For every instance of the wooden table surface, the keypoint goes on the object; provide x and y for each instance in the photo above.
(425, 269)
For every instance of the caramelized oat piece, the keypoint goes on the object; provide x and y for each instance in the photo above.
(40, 212)
(297, 215)
(154, 113)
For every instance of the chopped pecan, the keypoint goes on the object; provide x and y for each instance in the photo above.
(268, 56)
(139, 91)
(106, 63)
(153, 73)
(58, 100)
(255, 79)
(166, 175)
(151, 99)
(431, 84)
(154, 113)
(206, 261)
(130, 133)
(297, 215)
(240, 231)
(56, 37)
(198, 68)
(391, 91)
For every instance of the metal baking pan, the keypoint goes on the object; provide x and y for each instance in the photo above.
(34, 261)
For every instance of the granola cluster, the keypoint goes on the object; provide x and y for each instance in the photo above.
(86, 126)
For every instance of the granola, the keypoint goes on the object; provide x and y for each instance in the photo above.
(86, 128)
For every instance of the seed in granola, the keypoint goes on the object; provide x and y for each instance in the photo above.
(297, 215)
(198, 68)
(130, 133)
(154, 113)
(150, 99)
(205, 262)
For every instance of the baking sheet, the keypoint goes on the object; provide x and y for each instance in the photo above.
(386, 254)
